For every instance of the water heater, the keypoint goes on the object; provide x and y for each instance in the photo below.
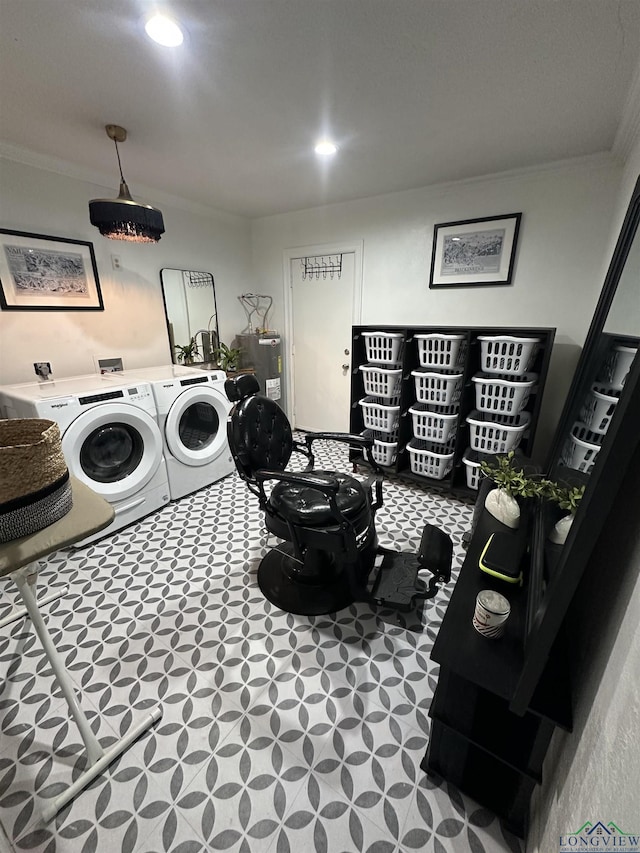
(262, 353)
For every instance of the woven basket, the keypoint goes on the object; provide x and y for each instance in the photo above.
(35, 489)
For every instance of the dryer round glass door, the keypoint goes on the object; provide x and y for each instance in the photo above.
(196, 426)
(114, 448)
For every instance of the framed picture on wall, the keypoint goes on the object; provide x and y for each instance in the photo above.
(40, 273)
(474, 252)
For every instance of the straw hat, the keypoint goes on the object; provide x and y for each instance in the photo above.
(34, 479)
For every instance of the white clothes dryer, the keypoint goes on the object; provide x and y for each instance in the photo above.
(110, 438)
(192, 416)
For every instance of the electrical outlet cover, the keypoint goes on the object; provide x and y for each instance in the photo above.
(42, 368)
(109, 365)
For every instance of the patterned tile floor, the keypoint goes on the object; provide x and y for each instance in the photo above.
(279, 733)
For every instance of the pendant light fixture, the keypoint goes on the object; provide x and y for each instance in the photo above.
(123, 218)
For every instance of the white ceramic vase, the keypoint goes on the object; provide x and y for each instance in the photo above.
(561, 530)
(503, 507)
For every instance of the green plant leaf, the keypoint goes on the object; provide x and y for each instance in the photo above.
(513, 480)
(226, 356)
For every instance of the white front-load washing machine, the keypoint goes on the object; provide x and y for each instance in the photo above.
(192, 415)
(110, 438)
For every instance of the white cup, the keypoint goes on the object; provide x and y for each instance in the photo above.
(491, 613)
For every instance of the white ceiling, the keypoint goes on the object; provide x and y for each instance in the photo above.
(415, 92)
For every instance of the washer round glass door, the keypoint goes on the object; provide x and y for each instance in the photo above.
(114, 448)
(196, 426)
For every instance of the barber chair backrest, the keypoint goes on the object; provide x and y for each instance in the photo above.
(259, 431)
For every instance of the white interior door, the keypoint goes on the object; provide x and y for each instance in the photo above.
(322, 316)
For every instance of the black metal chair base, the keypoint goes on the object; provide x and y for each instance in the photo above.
(303, 596)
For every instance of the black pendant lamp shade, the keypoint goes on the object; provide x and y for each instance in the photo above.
(123, 218)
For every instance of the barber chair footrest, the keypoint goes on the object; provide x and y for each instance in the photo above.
(397, 584)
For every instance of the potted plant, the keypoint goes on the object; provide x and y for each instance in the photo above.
(568, 498)
(510, 483)
(227, 357)
(187, 353)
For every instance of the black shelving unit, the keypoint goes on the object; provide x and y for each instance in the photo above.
(456, 479)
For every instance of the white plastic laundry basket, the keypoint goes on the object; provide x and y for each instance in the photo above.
(617, 366)
(383, 347)
(440, 389)
(503, 396)
(378, 415)
(433, 426)
(582, 448)
(385, 446)
(430, 460)
(489, 436)
(381, 381)
(471, 460)
(442, 352)
(599, 407)
(507, 354)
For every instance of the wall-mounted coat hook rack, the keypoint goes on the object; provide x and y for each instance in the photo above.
(321, 265)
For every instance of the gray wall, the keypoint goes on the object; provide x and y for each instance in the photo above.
(560, 264)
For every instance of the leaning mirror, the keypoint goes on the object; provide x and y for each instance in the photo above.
(609, 351)
(596, 441)
(192, 318)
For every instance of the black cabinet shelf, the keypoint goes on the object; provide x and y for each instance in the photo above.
(484, 719)
(495, 666)
(488, 780)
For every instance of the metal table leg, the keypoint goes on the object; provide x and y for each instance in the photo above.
(99, 758)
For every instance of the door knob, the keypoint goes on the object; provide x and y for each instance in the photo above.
(345, 367)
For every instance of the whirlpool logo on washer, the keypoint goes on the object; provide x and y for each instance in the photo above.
(62, 405)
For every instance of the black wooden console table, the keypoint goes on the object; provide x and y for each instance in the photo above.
(477, 741)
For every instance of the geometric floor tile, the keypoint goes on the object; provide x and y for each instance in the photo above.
(322, 819)
(239, 799)
(373, 760)
(279, 733)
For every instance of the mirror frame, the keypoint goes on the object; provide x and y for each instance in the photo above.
(216, 329)
(547, 607)
(591, 351)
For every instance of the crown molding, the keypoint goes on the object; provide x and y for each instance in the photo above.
(47, 163)
(599, 160)
(603, 159)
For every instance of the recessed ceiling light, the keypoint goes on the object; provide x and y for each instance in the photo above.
(325, 148)
(164, 31)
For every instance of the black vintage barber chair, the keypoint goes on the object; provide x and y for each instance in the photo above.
(326, 518)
